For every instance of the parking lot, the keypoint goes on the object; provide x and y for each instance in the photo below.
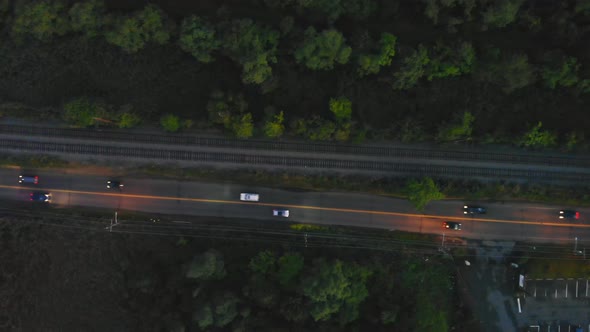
(556, 305)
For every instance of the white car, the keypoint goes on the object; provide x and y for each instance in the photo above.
(280, 213)
(249, 197)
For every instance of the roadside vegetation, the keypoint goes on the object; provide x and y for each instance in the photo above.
(340, 70)
(201, 284)
(419, 191)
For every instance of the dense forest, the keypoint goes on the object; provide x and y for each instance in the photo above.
(489, 71)
(59, 277)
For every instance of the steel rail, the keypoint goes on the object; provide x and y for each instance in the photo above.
(410, 169)
(309, 147)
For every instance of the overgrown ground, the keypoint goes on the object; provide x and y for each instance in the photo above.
(57, 277)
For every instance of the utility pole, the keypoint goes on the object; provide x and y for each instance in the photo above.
(110, 228)
(305, 240)
(442, 245)
(576, 246)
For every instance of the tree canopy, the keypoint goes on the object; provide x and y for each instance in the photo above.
(134, 32)
(421, 192)
(88, 17)
(198, 37)
(206, 266)
(253, 46)
(321, 51)
(372, 63)
(413, 68)
(335, 287)
(42, 20)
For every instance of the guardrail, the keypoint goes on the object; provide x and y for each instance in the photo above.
(410, 169)
(310, 147)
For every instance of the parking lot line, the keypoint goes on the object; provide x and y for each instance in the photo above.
(576, 288)
(566, 290)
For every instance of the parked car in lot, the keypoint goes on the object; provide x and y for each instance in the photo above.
(28, 179)
(114, 184)
(472, 209)
(280, 213)
(40, 196)
(569, 214)
(249, 197)
(452, 225)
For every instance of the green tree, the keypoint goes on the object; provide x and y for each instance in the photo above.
(341, 107)
(450, 61)
(333, 9)
(83, 112)
(501, 13)
(223, 105)
(243, 125)
(198, 38)
(274, 128)
(132, 33)
(320, 130)
(42, 20)
(335, 287)
(538, 138)
(129, 119)
(225, 308)
(88, 17)
(290, 266)
(461, 130)
(206, 266)
(263, 263)
(560, 70)
(203, 316)
(252, 46)
(510, 71)
(421, 192)
(413, 68)
(372, 63)
(170, 123)
(321, 51)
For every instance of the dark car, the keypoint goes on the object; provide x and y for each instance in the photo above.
(40, 197)
(471, 209)
(114, 184)
(28, 179)
(452, 225)
(569, 214)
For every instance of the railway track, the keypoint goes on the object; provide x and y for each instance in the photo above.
(309, 147)
(277, 162)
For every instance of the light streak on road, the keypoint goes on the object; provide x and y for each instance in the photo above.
(305, 207)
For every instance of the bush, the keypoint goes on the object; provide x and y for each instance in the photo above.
(170, 123)
(274, 128)
(129, 120)
(83, 112)
(537, 138)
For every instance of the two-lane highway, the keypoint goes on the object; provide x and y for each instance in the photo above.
(503, 221)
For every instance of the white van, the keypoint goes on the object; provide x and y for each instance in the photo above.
(249, 197)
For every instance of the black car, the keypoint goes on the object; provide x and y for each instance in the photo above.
(471, 209)
(569, 214)
(452, 225)
(40, 197)
(28, 179)
(114, 184)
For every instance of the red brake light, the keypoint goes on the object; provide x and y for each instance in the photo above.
(577, 215)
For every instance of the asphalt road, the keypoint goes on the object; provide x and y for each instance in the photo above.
(503, 221)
